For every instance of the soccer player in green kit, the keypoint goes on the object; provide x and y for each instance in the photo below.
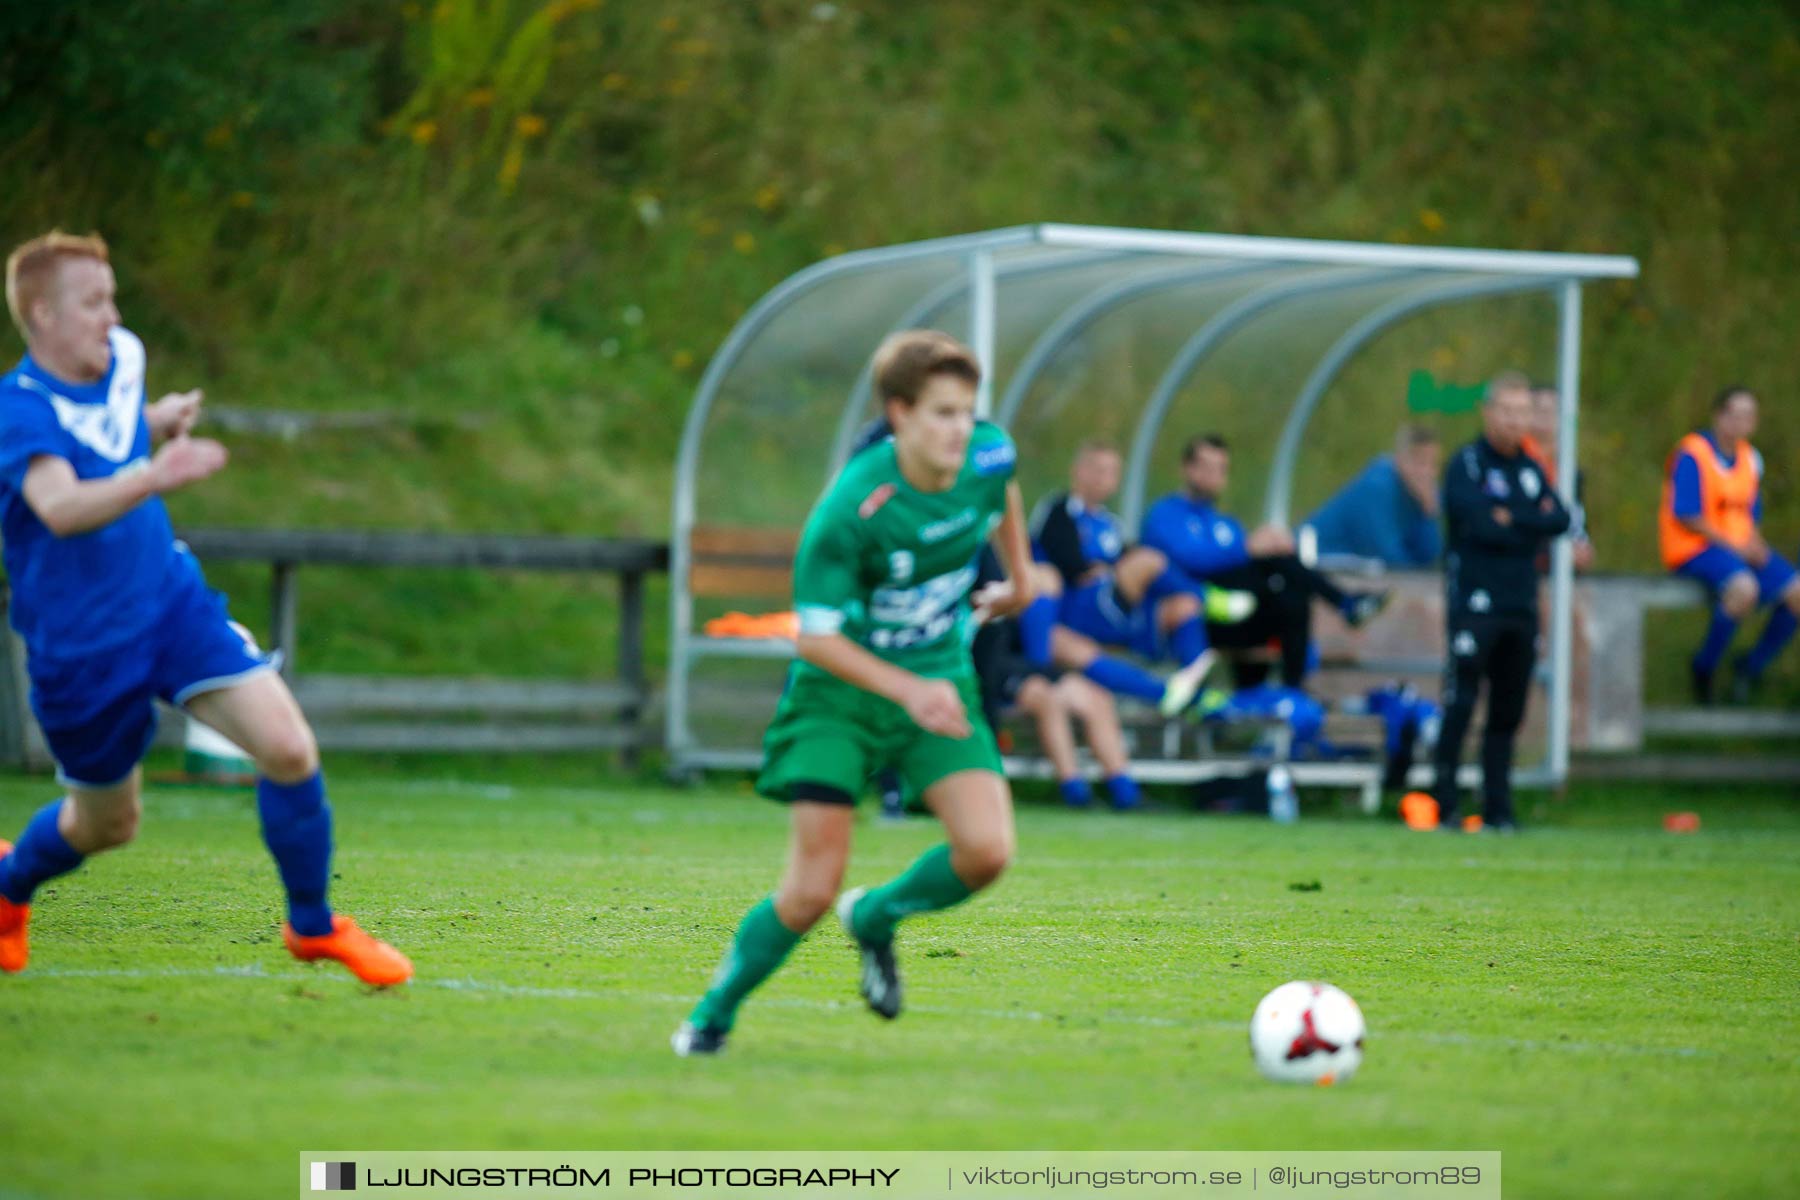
(882, 584)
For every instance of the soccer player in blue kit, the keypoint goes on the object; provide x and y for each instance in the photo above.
(1117, 595)
(114, 611)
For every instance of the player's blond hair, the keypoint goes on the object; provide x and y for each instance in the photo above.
(905, 360)
(31, 269)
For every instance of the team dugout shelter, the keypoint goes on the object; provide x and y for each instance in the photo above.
(1298, 351)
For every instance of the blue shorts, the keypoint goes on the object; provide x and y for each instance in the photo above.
(1715, 564)
(98, 713)
(1094, 611)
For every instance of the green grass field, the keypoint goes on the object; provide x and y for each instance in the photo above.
(1608, 1005)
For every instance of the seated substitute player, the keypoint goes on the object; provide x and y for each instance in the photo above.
(1011, 680)
(1211, 546)
(1710, 526)
(1117, 596)
(882, 584)
(115, 613)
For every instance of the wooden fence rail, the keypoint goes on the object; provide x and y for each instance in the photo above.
(403, 714)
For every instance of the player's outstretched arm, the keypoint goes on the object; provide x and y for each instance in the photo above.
(69, 505)
(933, 704)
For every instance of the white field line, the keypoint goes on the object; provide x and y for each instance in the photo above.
(1075, 1020)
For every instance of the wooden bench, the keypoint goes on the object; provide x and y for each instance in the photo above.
(734, 563)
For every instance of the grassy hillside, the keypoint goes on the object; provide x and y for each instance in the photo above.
(518, 229)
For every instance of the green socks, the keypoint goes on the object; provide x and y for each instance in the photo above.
(761, 944)
(926, 886)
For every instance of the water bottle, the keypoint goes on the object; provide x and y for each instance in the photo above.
(1284, 802)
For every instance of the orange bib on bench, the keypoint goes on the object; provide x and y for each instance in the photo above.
(1727, 499)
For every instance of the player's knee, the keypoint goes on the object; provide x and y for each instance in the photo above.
(111, 826)
(981, 860)
(803, 901)
(1038, 697)
(1178, 610)
(122, 823)
(1739, 596)
(289, 756)
(1071, 650)
(1076, 694)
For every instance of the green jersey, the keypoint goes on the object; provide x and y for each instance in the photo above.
(890, 567)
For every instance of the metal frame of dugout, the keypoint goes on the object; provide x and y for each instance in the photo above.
(923, 283)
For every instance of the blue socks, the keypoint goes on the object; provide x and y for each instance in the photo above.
(1718, 638)
(1035, 624)
(1775, 635)
(296, 826)
(1188, 640)
(40, 855)
(1124, 792)
(1118, 676)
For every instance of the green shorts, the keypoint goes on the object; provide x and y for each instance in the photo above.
(830, 734)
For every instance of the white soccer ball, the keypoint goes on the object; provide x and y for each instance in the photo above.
(1307, 1033)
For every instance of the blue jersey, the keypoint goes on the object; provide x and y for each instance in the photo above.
(77, 596)
(1073, 536)
(1195, 536)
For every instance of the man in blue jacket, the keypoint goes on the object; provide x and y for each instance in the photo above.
(1389, 512)
(1213, 547)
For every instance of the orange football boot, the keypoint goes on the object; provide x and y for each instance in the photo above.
(370, 959)
(14, 949)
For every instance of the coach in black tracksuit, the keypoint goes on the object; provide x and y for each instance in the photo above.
(1499, 511)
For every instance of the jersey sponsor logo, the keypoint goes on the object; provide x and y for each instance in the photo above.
(937, 531)
(995, 459)
(913, 636)
(921, 606)
(874, 500)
